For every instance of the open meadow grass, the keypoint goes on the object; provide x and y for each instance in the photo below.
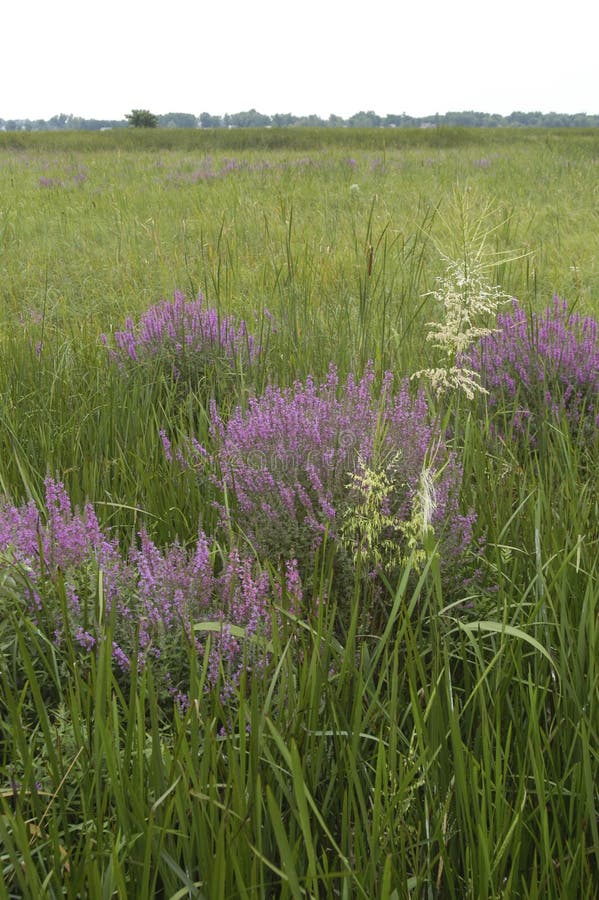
(278, 618)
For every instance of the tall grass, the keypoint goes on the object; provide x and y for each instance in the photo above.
(453, 752)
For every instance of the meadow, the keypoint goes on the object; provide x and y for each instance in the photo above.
(278, 617)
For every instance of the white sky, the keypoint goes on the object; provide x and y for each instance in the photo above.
(100, 60)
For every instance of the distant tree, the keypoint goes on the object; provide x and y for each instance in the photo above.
(247, 119)
(209, 121)
(365, 120)
(142, 118)
(311, 121)
(178, 120)
(99, 124)
(526, 118)
(283, 120)
(60, 122)
(399, 120)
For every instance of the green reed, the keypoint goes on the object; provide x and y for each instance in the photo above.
(453, 754)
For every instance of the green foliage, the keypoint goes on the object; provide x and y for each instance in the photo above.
(254, 119)
(177, 120)
(450, 755)
(142, 118)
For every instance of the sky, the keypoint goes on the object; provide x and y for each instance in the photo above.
(420, 57)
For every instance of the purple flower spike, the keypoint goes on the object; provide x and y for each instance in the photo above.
(158, 599)
(292, 460)
(542, 366)
(184, 337)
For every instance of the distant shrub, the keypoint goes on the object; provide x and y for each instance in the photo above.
(160, 601)
(541, 367)
(184, 340)
(364, 468)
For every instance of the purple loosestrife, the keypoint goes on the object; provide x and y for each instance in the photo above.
(301, 464)
(184, 339)
(72, 176)
(157, 599)
(541, 367)
(63, 542)
(65, 539)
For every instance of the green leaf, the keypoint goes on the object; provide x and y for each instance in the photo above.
(502, 628)
(287, 858)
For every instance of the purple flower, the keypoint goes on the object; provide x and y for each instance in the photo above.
(541, 366)
(166, 445)
(289, 458)
(154, 597)
(184, 338)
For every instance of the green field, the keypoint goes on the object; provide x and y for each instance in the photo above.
(402, 732)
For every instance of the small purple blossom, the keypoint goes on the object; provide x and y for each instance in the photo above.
(166, 445)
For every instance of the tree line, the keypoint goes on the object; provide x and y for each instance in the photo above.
(254, 119)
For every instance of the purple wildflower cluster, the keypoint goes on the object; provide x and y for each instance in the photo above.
(160, 595)
(290, 457)
(539, 367)
(64, 541)
(73, 176)
(185, 336)
(209, 170)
